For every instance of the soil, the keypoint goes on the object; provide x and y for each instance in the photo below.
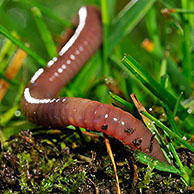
(68, 161)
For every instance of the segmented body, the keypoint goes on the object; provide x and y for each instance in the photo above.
(40, 105)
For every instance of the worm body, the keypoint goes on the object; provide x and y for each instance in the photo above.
(39, 104)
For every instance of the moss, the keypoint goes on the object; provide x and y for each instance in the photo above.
(34, 163)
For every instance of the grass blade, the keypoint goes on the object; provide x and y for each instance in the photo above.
(168, 131)
(150, 125)
(12, 71)
(153, 29)
(8, 115)
(49, 13)
(121, 101)
(20, 44)
(187, 58)
(145, 159)
(126, 20)
(6, 52)
(105, 22)
(152, 85)
(44, 32)
(178, 77)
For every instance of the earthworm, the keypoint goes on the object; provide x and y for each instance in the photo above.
(40, 105)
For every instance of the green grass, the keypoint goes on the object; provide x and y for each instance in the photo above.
(162, 79)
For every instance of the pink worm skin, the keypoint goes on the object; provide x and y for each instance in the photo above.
(39, 104)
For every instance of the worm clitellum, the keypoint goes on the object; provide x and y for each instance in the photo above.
(40, 105)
